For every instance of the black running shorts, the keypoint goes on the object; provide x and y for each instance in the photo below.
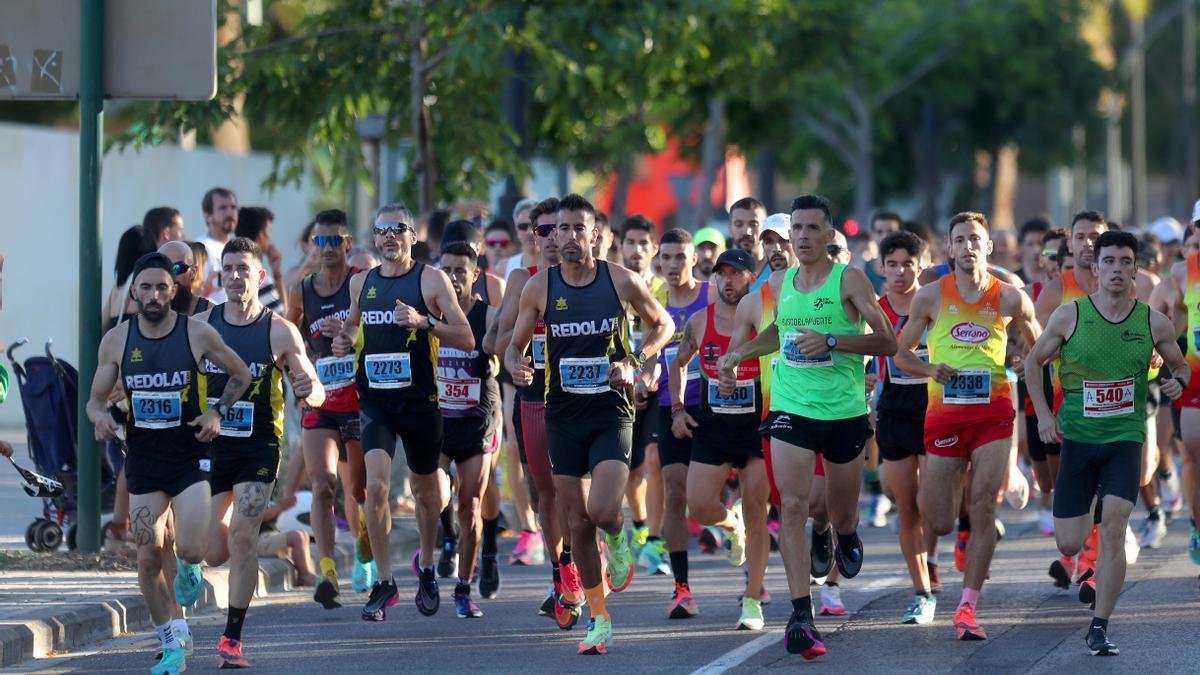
(150, 470)
(467, 437)
(673, 450)
(345, 423)
(231, 466)
(717, 443)
(1090, 470)
(420, 431)
(577, 447)
(899, 437)
(645, 431)
(837, 441)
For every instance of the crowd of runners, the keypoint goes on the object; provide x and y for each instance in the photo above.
(637, 388)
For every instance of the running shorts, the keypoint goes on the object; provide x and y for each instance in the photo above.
(577, 446)
(899, 437)
(466, 437)
(148, 471)
(673, 450)
(232, 466)
(1088, 470)
(837, 441)
(382, 423)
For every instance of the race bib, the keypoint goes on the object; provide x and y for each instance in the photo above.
(156, 409)
(388, 371)
(693, 369)
(740, 402)
(972, 386)
(458, 393)
(335, 372)
(635, 340)
(1196, 338)
(584, 375)
(1108, 399)
(239, 421)
(539, 351)
(896, 374)
(792, 356)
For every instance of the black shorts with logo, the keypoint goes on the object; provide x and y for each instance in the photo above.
(899, 437)
(837, 441)
(1090, 470)
(233, 464)
(467, 437)
(645, 430)
(420, 431)
(717, 442)
(577, 447)
(153, 470)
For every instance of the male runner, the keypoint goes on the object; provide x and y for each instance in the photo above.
(724, 435)
(1105, 344)
(397, 305)
(245, 455)
(330, 436)
(818, 401)
(469, 397)
(969, 416)
(683, 297)
(589, 397)
(1185, 280)
(156, 355)
(710, 244)
(186, 274)
(746, 217)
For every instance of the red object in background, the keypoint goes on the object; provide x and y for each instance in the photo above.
(850, 227)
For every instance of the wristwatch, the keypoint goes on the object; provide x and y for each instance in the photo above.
(830, 341)
(637, 359)
(432, 322)
(221, 408)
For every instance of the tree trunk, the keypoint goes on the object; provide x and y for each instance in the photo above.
(621, 192)
(926, 143)
(768, 160)
(1004, 191)
(424, 166)
(864, 168)
(232, 136)
(712, 156)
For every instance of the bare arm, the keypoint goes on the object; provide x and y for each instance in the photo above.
(1049, 300)
(343, 344)
(453, 330)
(530, 310)
(677, 368)
(1163, 333)
(1061, 324)
(1179, 313)
(286, 342)
(509, 308)
(881, 340)
(657, 325)
(1016, 302)
(920, 317)
(294, 307)
(108, 368)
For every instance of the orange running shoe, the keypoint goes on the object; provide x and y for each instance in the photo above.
(683, 604)
(966, 626)
(229, 654)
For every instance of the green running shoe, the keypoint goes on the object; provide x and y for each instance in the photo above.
(920, 612)
(735, 539)
(620, 562)
(173, 662)
(598, 635)
(752, 615)
(188, 583)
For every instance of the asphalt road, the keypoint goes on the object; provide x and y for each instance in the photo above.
(1033, 627)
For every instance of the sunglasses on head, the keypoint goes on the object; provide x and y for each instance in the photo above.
(544, 229)
(497, 242)
(180, 268)
(382, 229)
(524, 225)
(323, 240)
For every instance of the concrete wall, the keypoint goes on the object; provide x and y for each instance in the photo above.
(39, 216)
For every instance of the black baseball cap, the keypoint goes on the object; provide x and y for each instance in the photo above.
(737, 258)
(152, 260)
(460, 230)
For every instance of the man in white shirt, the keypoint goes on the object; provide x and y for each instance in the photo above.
(220, 215)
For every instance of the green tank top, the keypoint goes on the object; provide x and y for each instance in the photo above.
(1103, 376)
(826, 386)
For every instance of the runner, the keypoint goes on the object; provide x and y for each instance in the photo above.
(1185, 280)
(469, 398)
(746, 217)
(710, 244)
(724, 436)
(330, 437)
(397, 305)
(187, 274)
(969, 416)
(1105, 344)
(589, 398)
(156, 356)
(818, 402)
(245, 455)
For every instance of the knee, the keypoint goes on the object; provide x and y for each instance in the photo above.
(191, 552)
(939, 525)
(297, 540)
(676, 497)
(468, 509)
(1067, 548)
(324, 488)
(793, 508)
(1112, 533)
(377, 490)
(242, 543)
(149, 561)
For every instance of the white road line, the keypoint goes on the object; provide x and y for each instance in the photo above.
(735, 657)
(879, 584)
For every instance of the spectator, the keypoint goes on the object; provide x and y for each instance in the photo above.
(120, 306)
(160, 225)
(254, 223)
(220, 215)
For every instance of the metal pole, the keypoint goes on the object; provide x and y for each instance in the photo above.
(91, 154)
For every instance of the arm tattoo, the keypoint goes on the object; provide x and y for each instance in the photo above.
(233, 391)
(141, 523)
(253, 500)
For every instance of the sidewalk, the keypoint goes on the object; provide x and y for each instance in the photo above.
(50, 613)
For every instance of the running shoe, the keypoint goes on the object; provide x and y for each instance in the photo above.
(548, 603)
(654, 556)
(764, 598)
(1087, 587)
(831, 601)
(849, 562)
(966, 626)
(363, 545)
(711, 538)
(1169, 492)
(802, 638)
(229, 654)
(572, 586)
(877, 510)
(1194, 546)
(619, 572)
(736, 538)
(1000, 529)
(528, 550)
(752, 615)
(638, 540)
(447, 566)
(683, 605)
(427, 597)
(1046, 522)
(464, 605)
(935, 578)
(1132, 550)
(188, 583)
(1152, 532)
(383, 595)
(1017, 491)
(361, 580)
(489, 577)
(773, 532)
(172, 662)
(186, 642)
(326, 592)
(1099, 644)
(565, 617)
(920, 612)
(1062, 570)
(598, 635)
(960, 550)
(820, 552)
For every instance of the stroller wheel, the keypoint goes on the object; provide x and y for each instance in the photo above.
(49, 535)
(31, 539)
(71, 540)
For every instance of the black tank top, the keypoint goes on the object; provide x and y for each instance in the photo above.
(257, 417)
(395, 364)
(585, 329)
(201, 305)
(164, 389)
(536, 391)
(480, 287)
(467, 384)
(335, 373)
(903, 394)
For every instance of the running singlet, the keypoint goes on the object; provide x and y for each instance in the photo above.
(657, 288)
(584, 330)
(256, 419)
(1191, 297)
(824, 386)
(766, 364)
(691, 392)
(903, 394)
(536, 392)
(744, 406)
(164, 389)
(336, 373)
(466, 381)
(1103, 375)
(971, 338)
(1071, 291)
(395, 364)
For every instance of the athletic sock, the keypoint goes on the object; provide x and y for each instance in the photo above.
(964, 524)
(595, 600)
(556, 573)
(565, 558)
(1154, 513)
(464, 586)
(970, 596)
(1097, 621)
(933, 557)
(328, 568)
(449, 527)
(802, 607)
(490, 529)
(233, 622)
(429, 570)
(638, 524)
(166, 636)
(652, 538)
(845, 541)
(679, 566)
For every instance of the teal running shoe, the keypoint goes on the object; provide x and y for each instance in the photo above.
(188, 583)
(173, 662)
(920, 612)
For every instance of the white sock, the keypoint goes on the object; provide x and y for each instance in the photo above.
(180, 629)
(167, 636)
(933, 557)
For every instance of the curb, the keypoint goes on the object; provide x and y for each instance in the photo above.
(56, 632)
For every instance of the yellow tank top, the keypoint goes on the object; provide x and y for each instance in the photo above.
(971, 338)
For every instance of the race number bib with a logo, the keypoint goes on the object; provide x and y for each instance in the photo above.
(693, 369)
(388, 371)
(1108, 399)
(584, 375)
(156, 409)
(972, 386)
(539, 351)
(897, 375)
(740, 402)
(335, 372)
(635, 340)
(458, 393)
(238, 422)
(792, 356)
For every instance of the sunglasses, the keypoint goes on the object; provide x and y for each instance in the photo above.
(323, 240)
(180, 268)
(545, 229)
(497, 242)
(833, 250)
(524, 225)
(382, 229)
(1052, 255)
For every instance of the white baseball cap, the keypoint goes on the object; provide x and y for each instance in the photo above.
(779, 223)
(1196, 212)
(1166, 230)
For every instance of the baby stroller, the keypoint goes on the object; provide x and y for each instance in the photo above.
(49, 393)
